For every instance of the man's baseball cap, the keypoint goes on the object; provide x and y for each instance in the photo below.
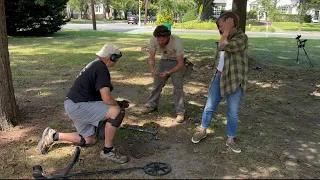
(107, 50)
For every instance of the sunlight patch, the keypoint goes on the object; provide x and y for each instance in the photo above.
(56, 81)
(290, 163)
(44, 93)
(195, 103)
(267, 85)
(282, 57)
(136, 81)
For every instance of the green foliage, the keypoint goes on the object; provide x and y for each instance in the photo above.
(293, 18)
(252, 14)
(34, 17)
(255, 28)
(270, 7)
(197, 24)
(189, 16)
(124, 5)
(288, 18)
(164, 17)
(307, 18)
(80, 5)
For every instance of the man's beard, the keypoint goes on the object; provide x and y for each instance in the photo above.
(164, 44)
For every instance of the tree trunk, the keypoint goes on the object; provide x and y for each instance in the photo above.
(207, 12)
(93, 16)
(146, 12)
(240, 8)
(9, 113)
(300, 27)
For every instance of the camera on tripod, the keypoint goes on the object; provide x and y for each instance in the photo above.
(302, 44)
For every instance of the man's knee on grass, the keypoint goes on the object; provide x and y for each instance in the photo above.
(91, 140)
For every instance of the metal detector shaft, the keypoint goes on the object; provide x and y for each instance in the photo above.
(73, 161)
(140, 130)
(115, 171)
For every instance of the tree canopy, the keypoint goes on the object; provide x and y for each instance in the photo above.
(35, 17)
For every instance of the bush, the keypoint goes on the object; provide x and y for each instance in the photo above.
(164, 17)
(288, 18)
(260, 29)
(196, 24)
(252, 14)
(307, 18)
(30, 18)
(189, 16)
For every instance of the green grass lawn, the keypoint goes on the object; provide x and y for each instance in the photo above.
(278, 126)
(294, 26)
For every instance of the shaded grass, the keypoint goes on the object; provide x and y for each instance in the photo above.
(276, 120)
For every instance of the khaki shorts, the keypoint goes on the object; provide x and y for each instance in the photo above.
(86, 115)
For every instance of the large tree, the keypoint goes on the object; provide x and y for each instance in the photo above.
(271, 9)
(207, 12)
(35, 17)
(240, 7)
(9, 114)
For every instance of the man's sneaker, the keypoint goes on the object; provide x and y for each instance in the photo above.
(197, 137)
(46, 140)
(114, 156)
(234, 147)
(147, 109)
(180, 118)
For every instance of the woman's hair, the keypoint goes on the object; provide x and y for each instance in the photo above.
(161, 31)
(227, 15)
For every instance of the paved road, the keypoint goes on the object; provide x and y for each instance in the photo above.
(135, 29)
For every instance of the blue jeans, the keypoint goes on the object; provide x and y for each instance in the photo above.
(233, 104)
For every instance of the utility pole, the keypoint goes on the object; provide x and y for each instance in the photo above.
(93, 16)
(140, 5)
(146, 12)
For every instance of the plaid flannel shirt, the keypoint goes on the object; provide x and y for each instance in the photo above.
(234, 73)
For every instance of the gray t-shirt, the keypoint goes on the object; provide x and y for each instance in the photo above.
(173, 49)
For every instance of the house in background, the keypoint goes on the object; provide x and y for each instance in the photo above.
(285, 7)
(100, 12)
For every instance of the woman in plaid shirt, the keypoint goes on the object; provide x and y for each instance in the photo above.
(230, 79)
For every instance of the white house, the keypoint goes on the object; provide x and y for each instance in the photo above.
(285, 7)
(100, 12)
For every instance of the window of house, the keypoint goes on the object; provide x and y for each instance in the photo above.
(316, 15)
(217, 9)
(252, 7)
(284, 10)
(97, 9)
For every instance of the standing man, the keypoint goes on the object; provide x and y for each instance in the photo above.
(88, 102)
(230, 79)
(171, 65)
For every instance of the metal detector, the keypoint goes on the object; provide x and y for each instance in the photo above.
(302, 44)
(152, 169)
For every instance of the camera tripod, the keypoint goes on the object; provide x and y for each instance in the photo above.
(301, 44)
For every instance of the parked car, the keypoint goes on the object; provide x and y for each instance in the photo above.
(133, 19)
(153, 19)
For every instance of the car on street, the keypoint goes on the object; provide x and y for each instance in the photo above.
(133, 19)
